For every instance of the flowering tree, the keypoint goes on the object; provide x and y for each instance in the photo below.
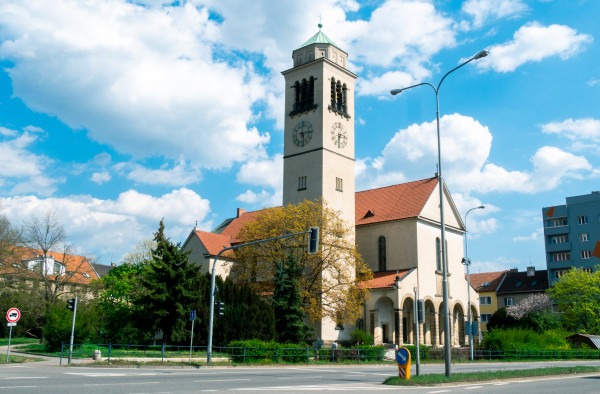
(535, 303)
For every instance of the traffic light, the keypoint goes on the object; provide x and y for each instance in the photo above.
(313, 240)
(420, 312)
(71, 304)
(219, 308)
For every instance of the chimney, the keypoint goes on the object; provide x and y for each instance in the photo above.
(240, 212)
(514, 270)
(530, 271)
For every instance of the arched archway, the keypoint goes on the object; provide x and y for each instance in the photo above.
(408, 321)
(458, 325)
(384, 325)
(430, 325)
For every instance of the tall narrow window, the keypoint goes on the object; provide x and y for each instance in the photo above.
(382, 253)
(438, 255)
(339, 184)
(586, 254)
(304, 96)
(582, 219)
(333, 94)
(302, 183)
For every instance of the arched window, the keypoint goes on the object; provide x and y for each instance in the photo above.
(333, 96)
(382, 253)
(304, 96)
(438, 256)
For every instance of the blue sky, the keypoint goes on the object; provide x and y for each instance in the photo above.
(115, 114)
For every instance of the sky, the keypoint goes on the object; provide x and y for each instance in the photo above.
(115, 114)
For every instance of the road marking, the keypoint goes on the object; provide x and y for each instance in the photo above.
(26, 377)
(95, 375)
(116, 384)
(218, 380)
(17, 387)
(439, 391)
(473, 387)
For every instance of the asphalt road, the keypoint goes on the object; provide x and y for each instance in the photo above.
(32, 378)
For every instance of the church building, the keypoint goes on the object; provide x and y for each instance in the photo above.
(397, 228)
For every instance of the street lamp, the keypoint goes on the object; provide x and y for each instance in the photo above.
(467, 262)
(394, 92)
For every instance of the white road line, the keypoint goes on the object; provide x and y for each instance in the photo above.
(17, 387)
(116, 384)
(438, 391)
(95, 375)
(218, 380)
(473, 387)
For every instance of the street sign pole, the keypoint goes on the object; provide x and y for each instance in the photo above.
(193, 319)
(72, 330)
(9, 336)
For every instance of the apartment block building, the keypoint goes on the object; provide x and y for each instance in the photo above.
(572, 235)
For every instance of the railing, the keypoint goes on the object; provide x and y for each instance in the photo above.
(251, 355)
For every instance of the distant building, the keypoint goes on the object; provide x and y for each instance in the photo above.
(572, 235)
(486, 284)
(516, 286)
(101, 269)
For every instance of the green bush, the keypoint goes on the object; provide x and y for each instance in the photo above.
(255, 350)
(514, 339)
(361, 337)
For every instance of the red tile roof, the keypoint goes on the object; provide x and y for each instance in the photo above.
(393, 202)
(494, 279)
(214, 243)
(383, 279)
(80, 267)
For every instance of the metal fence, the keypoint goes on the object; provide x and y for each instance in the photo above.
(248, 355)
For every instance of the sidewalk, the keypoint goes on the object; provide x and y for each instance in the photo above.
(47, 360)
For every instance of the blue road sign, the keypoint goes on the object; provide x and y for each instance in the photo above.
(193, 315)
(402, 356)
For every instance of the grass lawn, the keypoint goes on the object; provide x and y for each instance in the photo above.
(18, 359)
(18, 341)
(436, 379)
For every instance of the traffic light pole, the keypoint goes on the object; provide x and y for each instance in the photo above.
(72, 330)
(313, 244)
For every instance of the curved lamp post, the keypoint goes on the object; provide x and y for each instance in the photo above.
(467, 262)
(394, 92)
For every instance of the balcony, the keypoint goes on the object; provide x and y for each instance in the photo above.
(560, 264)
(556, 230)
(565, 246)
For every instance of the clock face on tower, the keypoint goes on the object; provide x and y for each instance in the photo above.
(339, 135)
(302, 133)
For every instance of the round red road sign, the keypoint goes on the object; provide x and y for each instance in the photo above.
(13, 315)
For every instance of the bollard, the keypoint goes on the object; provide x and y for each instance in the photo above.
(97, 355)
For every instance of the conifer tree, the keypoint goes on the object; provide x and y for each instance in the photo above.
(172, 287)
(287, 303)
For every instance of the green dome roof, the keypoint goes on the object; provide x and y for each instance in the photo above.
(319, 38)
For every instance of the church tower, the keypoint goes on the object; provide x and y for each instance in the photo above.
(318, 159)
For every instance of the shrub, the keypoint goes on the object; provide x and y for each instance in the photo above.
(524, 339)
(361, 337)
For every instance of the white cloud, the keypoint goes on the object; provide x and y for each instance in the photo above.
(180, 175)
(135, 77)
(532, 43)
(262, 199)
(110, 228)
(381, 84)
(532, 237)
(466, 146)
(100, 177)
(263, 172)
(577, 129)
(21, 169)
(482, 10)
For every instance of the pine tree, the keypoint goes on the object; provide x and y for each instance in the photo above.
(172, 287)
(287, 303)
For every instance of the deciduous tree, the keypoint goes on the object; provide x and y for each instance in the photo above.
(329, 279)
(577, 296)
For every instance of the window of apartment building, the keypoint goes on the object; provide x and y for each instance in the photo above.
(583, 237)
(556, 222)
(586, 254)
(582, 219)
(561, 256)
(560, 273)
(485, 317)
(508, 301)
(302, 183)
(485, 300)
(339, 184)
(588, 270)
(559, 239)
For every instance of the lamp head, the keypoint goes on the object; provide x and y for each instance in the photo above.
(394, 92)
(481, 207)
(481, 54)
